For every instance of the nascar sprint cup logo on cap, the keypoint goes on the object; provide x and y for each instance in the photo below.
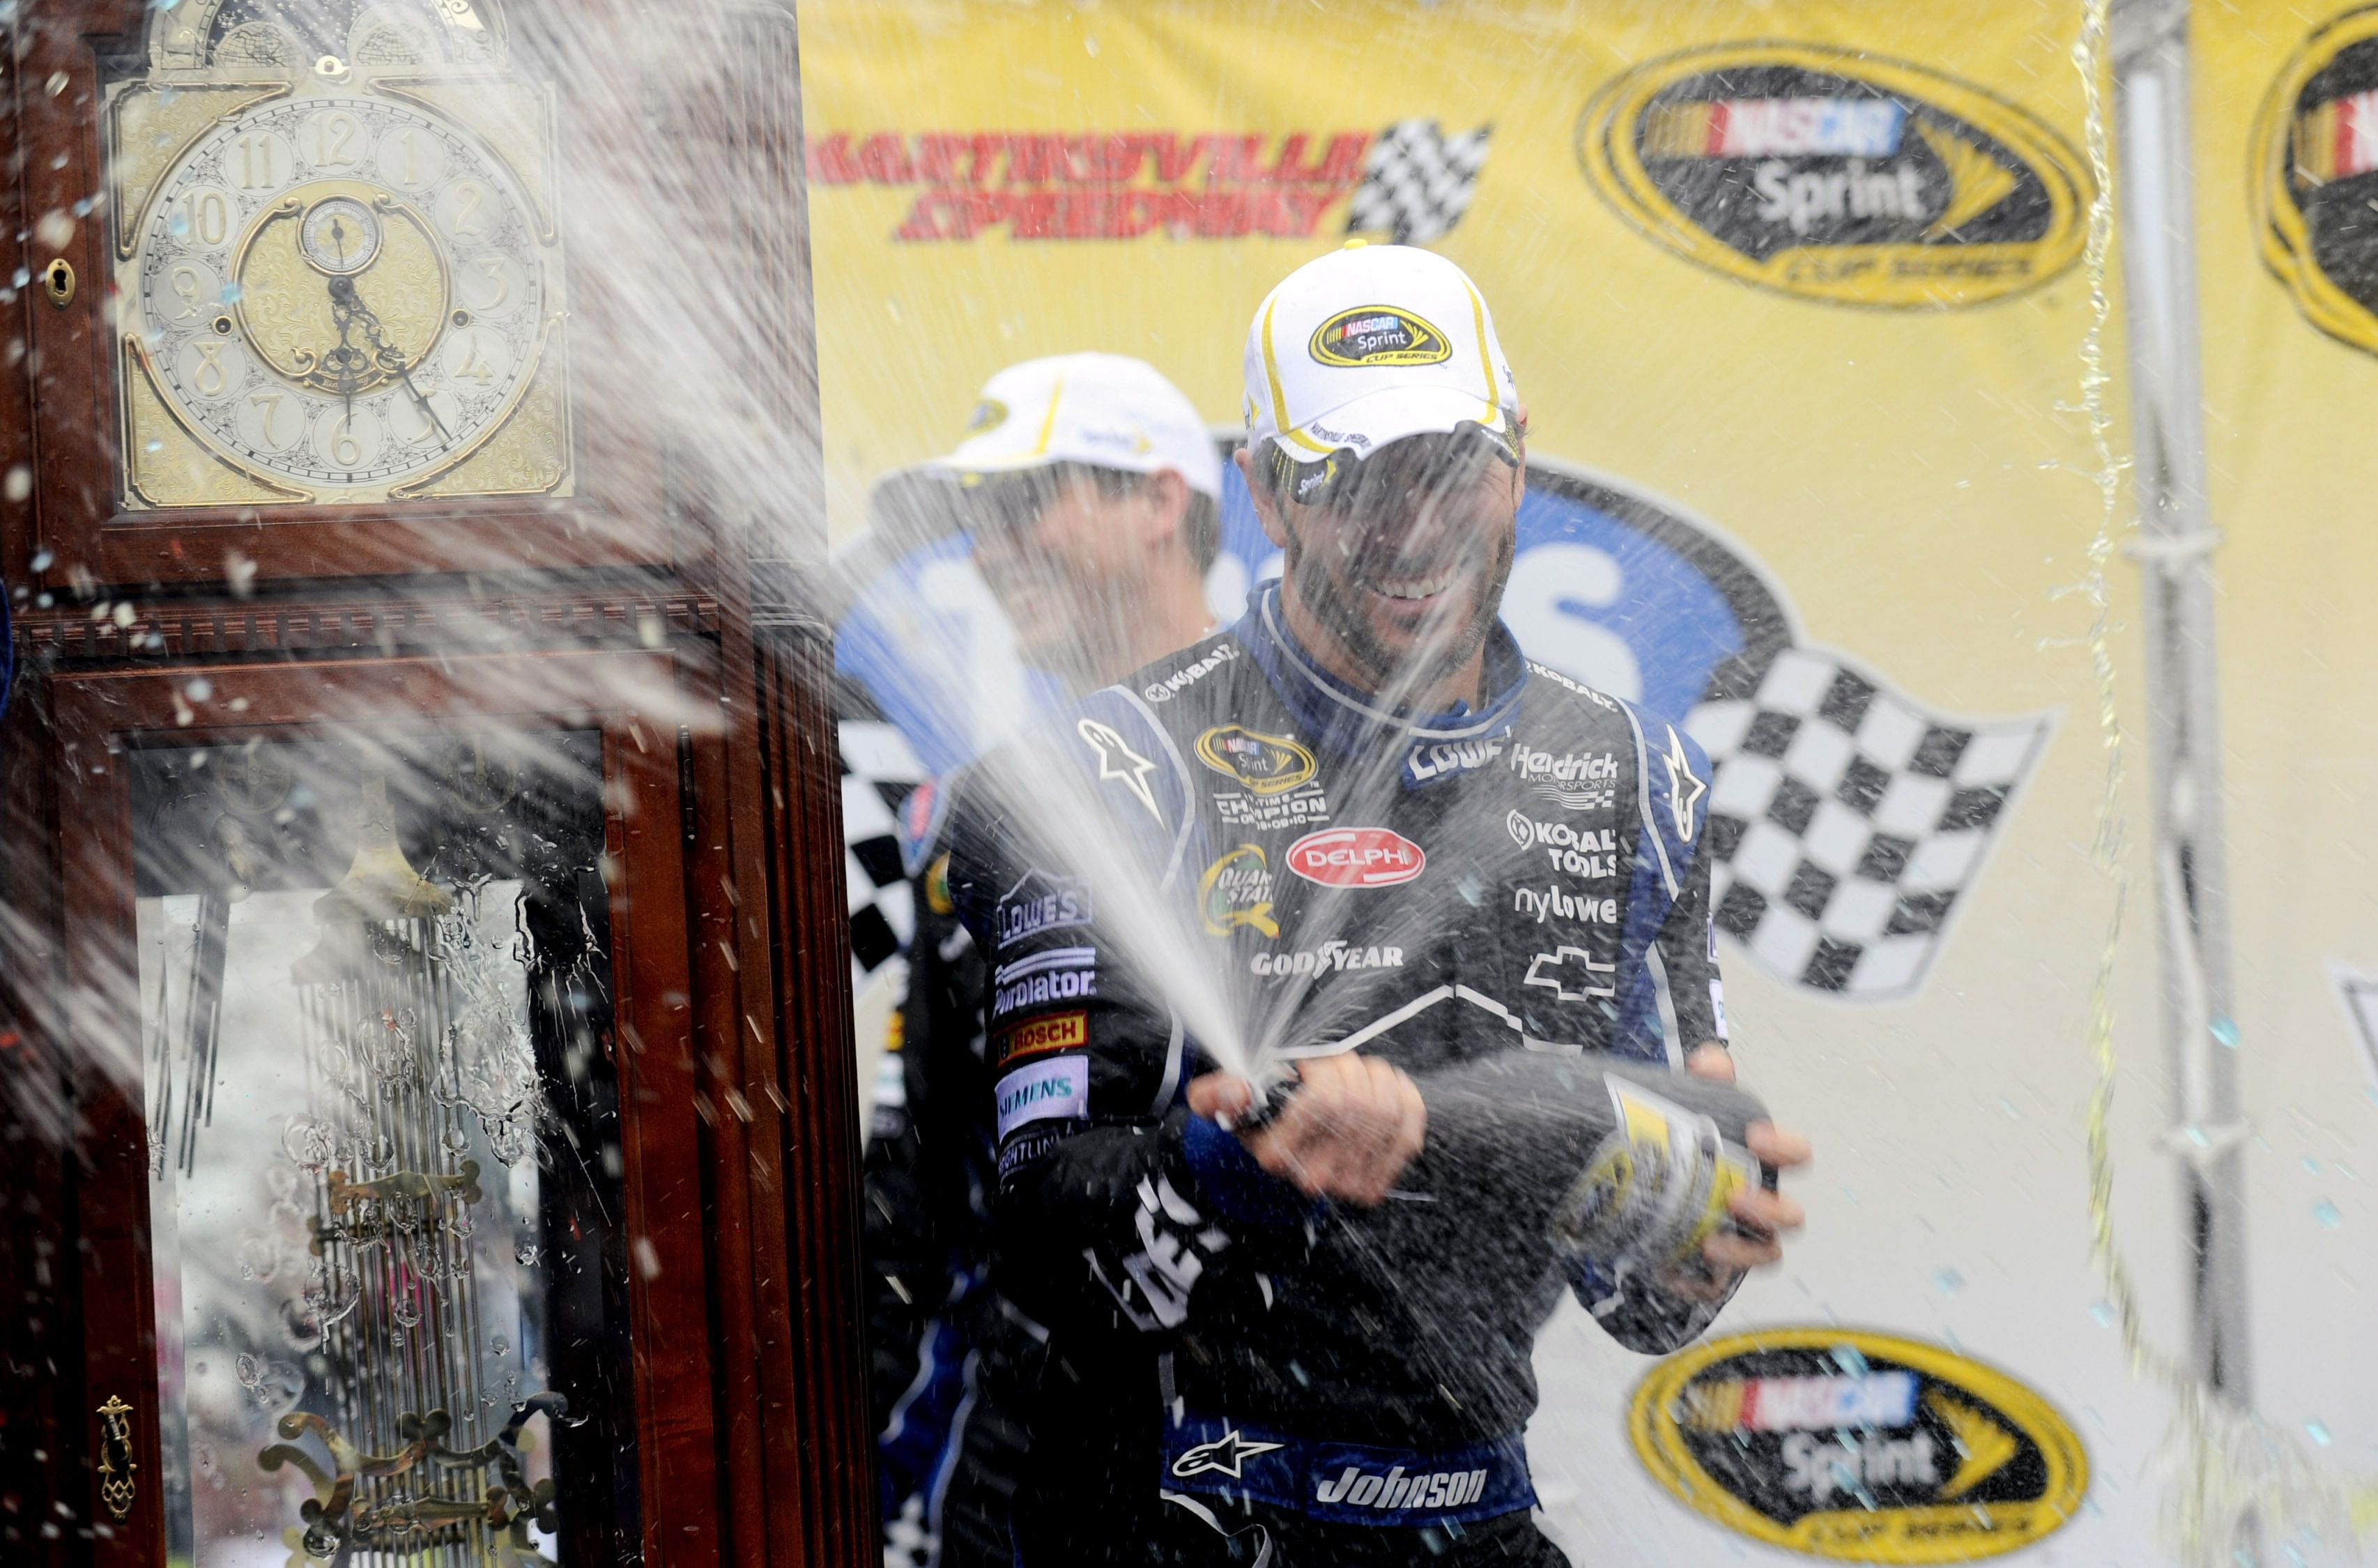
(1861, 1446)
(2316, 176)
(1836, 176)
(1378, 334)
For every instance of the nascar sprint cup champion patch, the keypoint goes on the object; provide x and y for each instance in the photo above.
(1860, 1446)
(1836, 176)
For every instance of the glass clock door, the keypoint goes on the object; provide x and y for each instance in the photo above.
(388, 1253)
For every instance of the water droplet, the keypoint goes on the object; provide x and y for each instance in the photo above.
(525, 1253)
(2319, 1433)
(2103, 1312)
(2008, 1106)
(2224, 1029)
(1847, 1357)
(499, 1346)
(2326, 1212)
(1949, 1281)
(2311, 1165)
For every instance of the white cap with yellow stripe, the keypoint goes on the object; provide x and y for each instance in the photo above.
(1370, 344)
(1104, 410)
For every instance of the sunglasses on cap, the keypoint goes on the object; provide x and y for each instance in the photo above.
(1400, 472)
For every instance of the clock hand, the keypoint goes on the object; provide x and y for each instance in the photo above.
(343, 298)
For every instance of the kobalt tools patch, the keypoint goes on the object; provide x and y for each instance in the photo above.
(1865, 1447)
(2316, 174)
(1836, 175)
(1356, 857)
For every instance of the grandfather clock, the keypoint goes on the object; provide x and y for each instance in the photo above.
(429, 1134)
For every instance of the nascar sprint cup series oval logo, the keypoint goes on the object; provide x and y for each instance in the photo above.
(1836, 176)
(2316, 178)
(1861, 1446)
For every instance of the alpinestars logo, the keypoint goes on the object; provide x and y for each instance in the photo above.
(1684, 791)
(1119, 762)
(1224, 1456)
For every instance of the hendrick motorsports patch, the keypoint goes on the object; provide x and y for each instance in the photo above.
(1861, 1446)
(1835, 175)
(2316, 176)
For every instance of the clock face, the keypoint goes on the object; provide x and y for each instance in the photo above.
(343, 291)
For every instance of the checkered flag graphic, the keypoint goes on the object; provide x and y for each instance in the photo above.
(1417, 182)
(1847, 823)
(878, 770)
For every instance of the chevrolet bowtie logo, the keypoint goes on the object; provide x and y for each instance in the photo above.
(1118, 761)
(1222, 1456)
(1554, 973)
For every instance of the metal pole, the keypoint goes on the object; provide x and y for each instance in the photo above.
(2191, 883)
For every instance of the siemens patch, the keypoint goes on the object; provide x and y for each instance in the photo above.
(1058, 1087)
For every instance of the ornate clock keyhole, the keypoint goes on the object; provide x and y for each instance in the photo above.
(58, 282)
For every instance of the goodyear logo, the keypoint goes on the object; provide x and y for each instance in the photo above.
(1375, 335)
(1860, 1446)
(2315, 173)
(1058, 1031)
(1836, 176)
(1266, 764)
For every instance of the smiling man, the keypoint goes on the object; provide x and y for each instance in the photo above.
(1306, 1338)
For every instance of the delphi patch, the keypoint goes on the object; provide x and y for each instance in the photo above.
(1835, 175)
(1856, 1446)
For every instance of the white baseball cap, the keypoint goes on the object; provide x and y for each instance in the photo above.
(1370, 344)
(1105, 410)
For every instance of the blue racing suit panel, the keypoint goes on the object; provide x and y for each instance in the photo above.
(1268, 857)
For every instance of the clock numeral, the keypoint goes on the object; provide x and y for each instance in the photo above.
(213, 215)
(269, 403)
(185, 289)
(411, 158)
(475, 365)
(493, 266)
(470, 194)
(345, 450)
(258, 161)
(333, 135)
(212, 380)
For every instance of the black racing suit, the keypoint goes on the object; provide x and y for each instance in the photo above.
(1235, 1374)
(951, 1361)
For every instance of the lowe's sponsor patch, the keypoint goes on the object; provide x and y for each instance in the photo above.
(1058, 1086)
(1040, 901)
(1431, 760)
(1861, 1446)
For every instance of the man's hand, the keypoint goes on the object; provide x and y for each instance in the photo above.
(1348, 1131)
(1760, 1217)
